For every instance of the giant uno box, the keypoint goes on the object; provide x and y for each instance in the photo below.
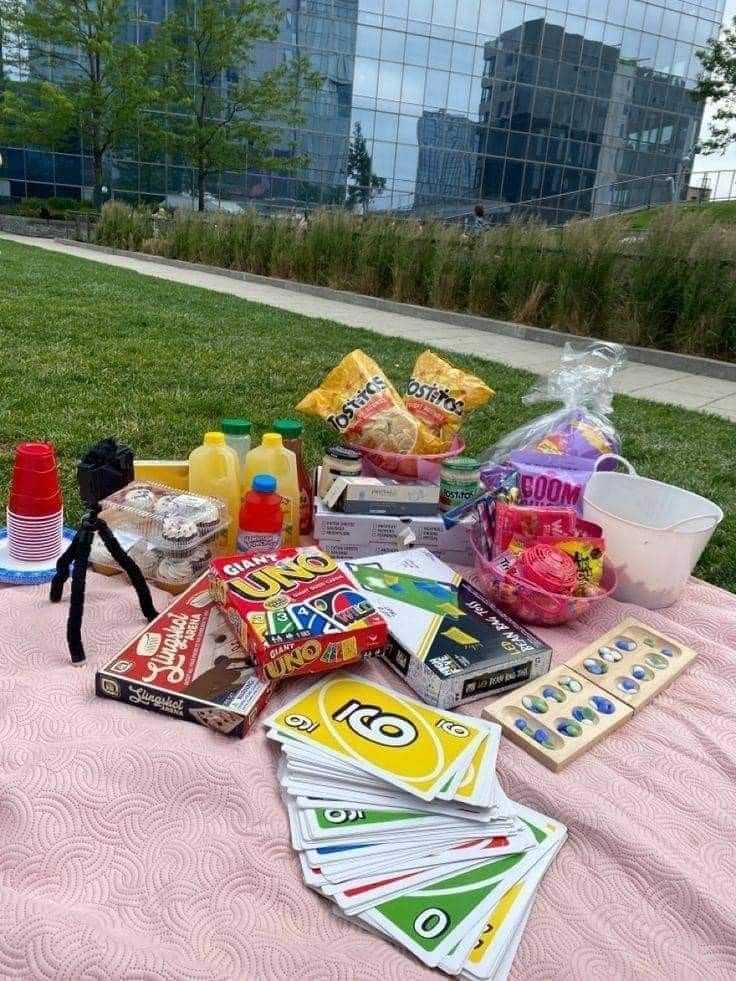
(447, 641)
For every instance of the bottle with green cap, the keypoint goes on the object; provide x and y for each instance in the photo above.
(237, 437)
(272, 457)
(291, 431)
(213, 472)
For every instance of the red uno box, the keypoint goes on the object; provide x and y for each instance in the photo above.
(296, 611)
(188, 665)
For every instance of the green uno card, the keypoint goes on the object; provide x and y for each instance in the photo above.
(431, 920)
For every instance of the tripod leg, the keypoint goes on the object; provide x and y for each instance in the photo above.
(63, 566)
(76, 605)
(134, 573)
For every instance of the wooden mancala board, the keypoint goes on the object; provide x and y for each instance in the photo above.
(564, 713)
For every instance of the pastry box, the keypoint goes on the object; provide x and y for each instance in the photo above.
(171, 534)
(186, 664)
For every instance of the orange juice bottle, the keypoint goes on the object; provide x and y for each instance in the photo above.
(291, 431)
(272, 457)
(214, 472)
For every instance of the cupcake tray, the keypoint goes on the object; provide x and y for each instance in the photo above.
(171, 534)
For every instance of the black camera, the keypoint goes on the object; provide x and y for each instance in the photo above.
(105, 468)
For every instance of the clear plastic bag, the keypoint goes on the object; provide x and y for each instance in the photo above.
(556, 452)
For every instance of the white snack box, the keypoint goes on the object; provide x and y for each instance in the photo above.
(365, 529)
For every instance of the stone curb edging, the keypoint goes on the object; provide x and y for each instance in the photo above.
(689, 363)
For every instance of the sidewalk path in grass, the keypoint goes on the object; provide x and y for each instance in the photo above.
(691, 391)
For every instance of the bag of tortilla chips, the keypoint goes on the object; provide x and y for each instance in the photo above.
(439, 395)
(359, 401)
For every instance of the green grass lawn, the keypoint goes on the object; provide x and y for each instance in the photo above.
(90, 351)
(719, 212)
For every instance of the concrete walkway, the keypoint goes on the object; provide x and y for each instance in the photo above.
(642, 381)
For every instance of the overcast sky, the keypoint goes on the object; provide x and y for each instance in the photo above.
(715, 161)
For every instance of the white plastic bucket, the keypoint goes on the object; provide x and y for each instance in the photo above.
(655, 533)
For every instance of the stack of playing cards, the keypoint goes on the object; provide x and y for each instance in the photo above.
(399, 819)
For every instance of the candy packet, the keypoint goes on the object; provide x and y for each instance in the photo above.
(530, 524)
(585, 545)
(439, 396)
(359, 401)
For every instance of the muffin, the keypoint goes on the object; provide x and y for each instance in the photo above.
(99, 554)
(179, 532)
(145, 558)
(165, 504)
(200, 558)
(140, 499)
(207, 518)
(188, 505)
(177, 571)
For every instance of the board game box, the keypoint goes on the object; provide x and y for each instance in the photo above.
(295, 611)
(187, 664)
(447, 641)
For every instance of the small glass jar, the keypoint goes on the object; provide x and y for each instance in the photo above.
(339, 461)
(459, 481)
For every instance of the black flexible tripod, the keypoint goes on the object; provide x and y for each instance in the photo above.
(94, 473)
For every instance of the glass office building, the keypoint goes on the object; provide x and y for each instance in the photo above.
(461, 101)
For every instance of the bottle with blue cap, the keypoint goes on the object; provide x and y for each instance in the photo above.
(261, 517)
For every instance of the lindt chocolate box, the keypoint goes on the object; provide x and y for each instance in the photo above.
(295, 611)
(187, 664)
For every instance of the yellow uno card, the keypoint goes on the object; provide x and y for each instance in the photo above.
(491, 927)
(477, 784)
(402, 741)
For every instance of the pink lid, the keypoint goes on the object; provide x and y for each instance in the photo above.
(549, 568)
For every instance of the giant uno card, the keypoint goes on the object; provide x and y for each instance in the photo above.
(406, 743)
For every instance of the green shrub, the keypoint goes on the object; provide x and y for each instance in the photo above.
(671, 286)
(55, 208)
(451, 271)
(377, 242)
(586, 275)
(124, 227)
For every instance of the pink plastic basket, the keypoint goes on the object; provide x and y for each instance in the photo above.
(407, 466)
(528, 603)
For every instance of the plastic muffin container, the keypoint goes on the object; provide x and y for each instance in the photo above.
(171, 534)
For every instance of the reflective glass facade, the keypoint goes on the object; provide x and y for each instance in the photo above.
(460, 101)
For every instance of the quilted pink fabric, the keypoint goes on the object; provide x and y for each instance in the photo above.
(137, 847)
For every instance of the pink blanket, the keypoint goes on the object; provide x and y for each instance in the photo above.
(137, 847)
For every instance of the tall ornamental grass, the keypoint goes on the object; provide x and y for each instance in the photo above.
(672, 286)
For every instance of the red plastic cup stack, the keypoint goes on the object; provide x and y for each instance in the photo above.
(35, 512)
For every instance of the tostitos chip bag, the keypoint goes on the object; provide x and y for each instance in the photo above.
(359, 401)
(439, 396)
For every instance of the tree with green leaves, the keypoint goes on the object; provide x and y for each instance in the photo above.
(11, 18)
(82, 77)
(223, 114)
(363, 184)
(717, 85)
